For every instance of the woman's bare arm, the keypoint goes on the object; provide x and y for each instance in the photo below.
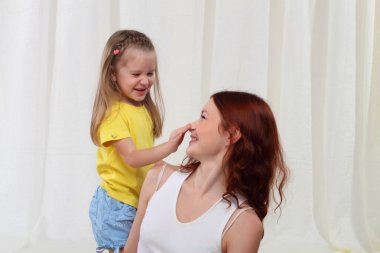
(244, 235)
(147, 191)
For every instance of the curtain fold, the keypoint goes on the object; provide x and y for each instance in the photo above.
(316, 62)
(367, 149)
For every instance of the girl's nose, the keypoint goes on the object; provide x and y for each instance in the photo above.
(144, 80)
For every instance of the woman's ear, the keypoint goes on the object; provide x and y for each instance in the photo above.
(235, 135)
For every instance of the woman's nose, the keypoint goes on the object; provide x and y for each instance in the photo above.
(193, 125)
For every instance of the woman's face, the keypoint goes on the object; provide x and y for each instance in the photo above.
(207, 139)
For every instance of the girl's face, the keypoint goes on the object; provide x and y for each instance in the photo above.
(207, 139)
(135, 74)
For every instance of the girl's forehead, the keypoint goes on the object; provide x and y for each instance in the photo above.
(136, 56)
(138, 52)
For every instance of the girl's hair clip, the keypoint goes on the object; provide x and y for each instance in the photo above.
(116, 52)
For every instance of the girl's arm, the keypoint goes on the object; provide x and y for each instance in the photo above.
(244, 235)
(141, 157)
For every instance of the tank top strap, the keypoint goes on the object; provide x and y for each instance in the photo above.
(171, 187)
(162, 171)
(233, 218)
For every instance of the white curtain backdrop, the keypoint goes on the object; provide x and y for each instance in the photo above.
(317, 62)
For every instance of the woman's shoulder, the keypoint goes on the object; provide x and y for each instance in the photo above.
(162, 167)
(245, 233)
(159, 173)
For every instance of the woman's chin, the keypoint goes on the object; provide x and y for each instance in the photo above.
(190, 152)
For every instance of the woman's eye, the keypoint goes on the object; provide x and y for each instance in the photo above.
(202, 116)
(135, 74)
(150, 74)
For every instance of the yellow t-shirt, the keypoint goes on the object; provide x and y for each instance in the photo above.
(121, 181)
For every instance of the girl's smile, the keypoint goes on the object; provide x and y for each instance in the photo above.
(135, 73)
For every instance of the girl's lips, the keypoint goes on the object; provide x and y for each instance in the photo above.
(140, 92)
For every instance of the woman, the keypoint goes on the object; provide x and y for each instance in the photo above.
(217, 200)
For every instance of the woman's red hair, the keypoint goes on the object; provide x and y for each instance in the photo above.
(254, 164)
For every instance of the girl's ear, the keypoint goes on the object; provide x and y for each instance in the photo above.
(113, 74)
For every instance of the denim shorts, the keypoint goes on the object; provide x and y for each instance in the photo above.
(111, 221)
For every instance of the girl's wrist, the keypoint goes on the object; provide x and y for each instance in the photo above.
(172, 147)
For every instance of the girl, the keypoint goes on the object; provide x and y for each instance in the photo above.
(125, 121)
(216, 202)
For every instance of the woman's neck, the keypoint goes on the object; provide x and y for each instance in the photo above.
(207, 179)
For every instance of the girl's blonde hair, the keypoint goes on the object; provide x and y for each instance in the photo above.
(108, 91)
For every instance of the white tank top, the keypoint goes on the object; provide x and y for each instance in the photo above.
(162, 232)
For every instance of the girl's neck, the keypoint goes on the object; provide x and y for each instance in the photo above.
(132, 102)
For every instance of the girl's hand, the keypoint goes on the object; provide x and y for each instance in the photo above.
(176, 137)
